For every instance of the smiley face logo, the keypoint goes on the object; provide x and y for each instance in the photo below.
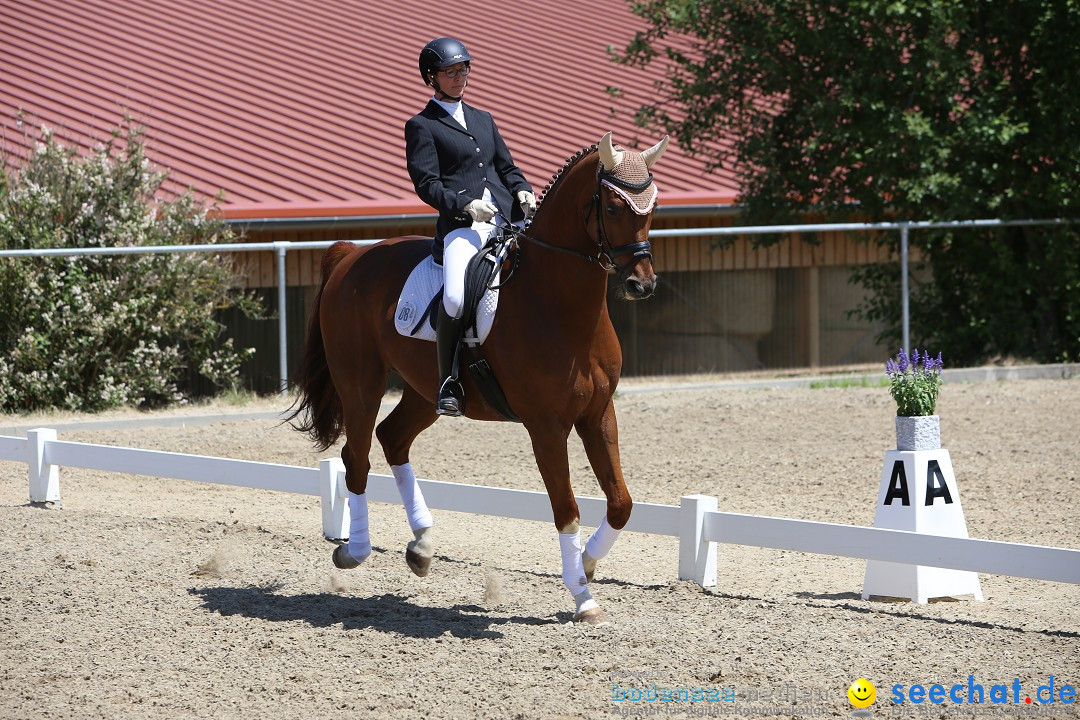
(862, 693)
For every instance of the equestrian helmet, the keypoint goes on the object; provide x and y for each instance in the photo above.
(441, 52)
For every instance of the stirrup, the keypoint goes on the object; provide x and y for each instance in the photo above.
(450, 401)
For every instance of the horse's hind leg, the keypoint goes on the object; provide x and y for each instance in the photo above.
(360, 415)
(396, 433)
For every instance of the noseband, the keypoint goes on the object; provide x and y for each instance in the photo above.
(606, 254)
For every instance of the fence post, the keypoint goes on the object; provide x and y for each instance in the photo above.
(283, 336)
(905, 291)
(44, 478)
(335, 507)
(697, 556)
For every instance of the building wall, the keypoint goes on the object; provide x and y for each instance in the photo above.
(723, 304)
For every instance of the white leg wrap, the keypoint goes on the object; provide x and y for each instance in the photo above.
(584, 602)
(573, 573)
(359, 539)
(600, 542)
(411, 497)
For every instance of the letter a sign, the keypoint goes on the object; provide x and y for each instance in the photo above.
(918, 493)
(936, 486)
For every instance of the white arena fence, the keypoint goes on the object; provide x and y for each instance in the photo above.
(696, 521)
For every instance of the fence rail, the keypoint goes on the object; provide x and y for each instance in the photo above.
(281, 248)
(696, 521)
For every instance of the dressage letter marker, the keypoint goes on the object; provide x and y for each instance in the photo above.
(934, 509)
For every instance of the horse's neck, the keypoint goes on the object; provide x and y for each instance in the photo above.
(565, 279)
(556, 271)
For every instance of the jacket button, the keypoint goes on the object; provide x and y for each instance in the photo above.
(480, 165)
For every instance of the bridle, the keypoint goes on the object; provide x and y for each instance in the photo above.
(606, 254)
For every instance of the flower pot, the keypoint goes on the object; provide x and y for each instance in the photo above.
(918, 432)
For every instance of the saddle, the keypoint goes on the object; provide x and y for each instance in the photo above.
(424, 289)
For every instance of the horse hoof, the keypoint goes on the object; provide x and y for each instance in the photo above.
(589, 564)
(419, 553)
(419, 564)
(343, 560)
(594, 617)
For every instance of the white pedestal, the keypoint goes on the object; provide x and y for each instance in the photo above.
(919, 493)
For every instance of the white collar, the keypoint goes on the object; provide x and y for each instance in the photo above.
(452, 108)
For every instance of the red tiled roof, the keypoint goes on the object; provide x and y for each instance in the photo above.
(297, 109)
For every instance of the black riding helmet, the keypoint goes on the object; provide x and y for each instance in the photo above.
(442, 52)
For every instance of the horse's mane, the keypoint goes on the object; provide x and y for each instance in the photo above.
(553, 183)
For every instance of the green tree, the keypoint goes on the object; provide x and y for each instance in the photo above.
(906, 109)
(86, 333)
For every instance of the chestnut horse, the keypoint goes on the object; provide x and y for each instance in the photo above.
(552, 348)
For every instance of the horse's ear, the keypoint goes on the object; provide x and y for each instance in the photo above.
(653, 154)
(609, 156)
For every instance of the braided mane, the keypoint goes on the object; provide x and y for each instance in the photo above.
(562, 173)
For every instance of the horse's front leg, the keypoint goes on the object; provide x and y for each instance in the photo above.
(549, 447)
(600, 435)
(396, 433)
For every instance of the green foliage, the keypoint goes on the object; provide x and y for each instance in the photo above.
(914, 383)
(91, 332)
(1009, 293)
(905, 109)
(848, 383)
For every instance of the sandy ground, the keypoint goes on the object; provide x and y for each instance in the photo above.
(144, 597)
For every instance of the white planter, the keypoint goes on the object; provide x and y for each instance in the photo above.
(918, 432)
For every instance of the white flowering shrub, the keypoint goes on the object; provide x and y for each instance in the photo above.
(87, 333)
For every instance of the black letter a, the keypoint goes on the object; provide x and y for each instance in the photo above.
(937, 489)
(898, 485)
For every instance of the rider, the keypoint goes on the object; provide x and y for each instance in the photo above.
(460, 166)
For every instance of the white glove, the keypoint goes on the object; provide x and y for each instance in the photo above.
(481, 210)
(527, 201)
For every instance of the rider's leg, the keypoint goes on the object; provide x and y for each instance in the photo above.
(450, 400)
(458, 248)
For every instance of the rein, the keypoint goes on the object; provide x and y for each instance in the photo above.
(606, 254)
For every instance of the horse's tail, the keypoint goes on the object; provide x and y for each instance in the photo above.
(318, 405)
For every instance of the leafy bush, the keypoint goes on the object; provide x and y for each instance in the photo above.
(898, 110)
(91, 332)
(1000, 294)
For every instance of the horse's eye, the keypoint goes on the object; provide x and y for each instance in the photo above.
(612, 209)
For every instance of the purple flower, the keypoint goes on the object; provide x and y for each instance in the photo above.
(902, 359)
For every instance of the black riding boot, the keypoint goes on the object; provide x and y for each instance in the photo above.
(451, 398)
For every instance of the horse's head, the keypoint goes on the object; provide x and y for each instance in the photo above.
(612, 190)
(622, 208)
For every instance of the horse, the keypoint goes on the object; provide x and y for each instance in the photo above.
(551, 346)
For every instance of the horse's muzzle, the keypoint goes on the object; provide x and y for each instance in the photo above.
(635, 288)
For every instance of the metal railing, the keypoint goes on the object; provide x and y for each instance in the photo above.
(278, 248)
(281, 248)
(904, 227)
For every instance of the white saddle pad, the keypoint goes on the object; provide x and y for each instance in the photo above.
(424, 282)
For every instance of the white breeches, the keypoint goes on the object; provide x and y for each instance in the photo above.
(458, 248)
